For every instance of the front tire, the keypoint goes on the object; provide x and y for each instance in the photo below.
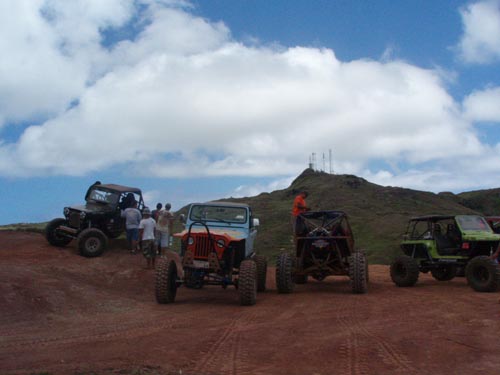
(358, 273)
(247, 282)
(51, 233)
(483, 274)
(404, 271)
(166, 281)
(261, 264)
(92, 242)
(284, 269)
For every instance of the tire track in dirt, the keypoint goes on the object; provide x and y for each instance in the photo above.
(357, 362)
(128, 331)
(226, 355)
(354, 362)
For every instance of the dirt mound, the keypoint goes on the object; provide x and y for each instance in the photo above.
(64, 314)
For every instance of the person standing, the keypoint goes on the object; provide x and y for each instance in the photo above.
(170, 215)
(299, 206)
(132, 219)
(147, 237)
(164, 228)
(155, 212)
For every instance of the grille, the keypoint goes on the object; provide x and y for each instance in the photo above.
(74, 219)
(202, 247)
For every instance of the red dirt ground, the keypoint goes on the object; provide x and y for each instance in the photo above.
(61, 313)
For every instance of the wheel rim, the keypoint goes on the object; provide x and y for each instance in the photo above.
(481, 274)
(57, 236)
(92, 244)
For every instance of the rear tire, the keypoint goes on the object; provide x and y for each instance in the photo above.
(483, 274)
(284, 279)
(358, 273)
(92, 242)
(404, 271)
(166, 281)
(444, 273)
(261, 264)
(51, 234)
(247, 282)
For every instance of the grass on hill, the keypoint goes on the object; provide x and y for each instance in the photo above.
(378, 215)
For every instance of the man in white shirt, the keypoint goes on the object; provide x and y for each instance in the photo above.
(147, 237)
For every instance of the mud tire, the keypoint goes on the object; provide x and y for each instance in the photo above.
(358, 273)
(51, 235)
(483, 274)
(261, 264)
(444, 273)
(247, 282)
(284, 270)
(404, 271)
(92, 242)
(166, 281)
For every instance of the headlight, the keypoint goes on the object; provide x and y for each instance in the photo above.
(66, 211)
(221, 243)
(190, 240)
(82, 215)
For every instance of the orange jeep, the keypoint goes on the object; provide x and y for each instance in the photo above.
(216, 249)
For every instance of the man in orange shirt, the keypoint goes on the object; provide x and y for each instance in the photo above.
(299, 206)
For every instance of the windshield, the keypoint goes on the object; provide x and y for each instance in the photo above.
(471, 222)
(103, 196)
(218, 213)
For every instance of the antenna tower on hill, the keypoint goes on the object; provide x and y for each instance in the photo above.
(313, 166)
(312, 161)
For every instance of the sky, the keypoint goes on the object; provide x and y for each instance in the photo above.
(205, 99)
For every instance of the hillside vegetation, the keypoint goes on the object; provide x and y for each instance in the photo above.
(378, 214)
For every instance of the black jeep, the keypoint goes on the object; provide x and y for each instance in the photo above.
(324, 246)
(96, 221)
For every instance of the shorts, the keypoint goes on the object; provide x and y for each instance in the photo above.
(148, 248)
(132, 234)
(162, 239)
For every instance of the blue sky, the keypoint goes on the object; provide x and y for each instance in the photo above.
(197, 100)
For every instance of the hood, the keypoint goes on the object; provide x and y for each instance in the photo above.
(92, 208)
(479, 235)
(233, 233)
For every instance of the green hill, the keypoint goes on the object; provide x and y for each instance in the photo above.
(485, 201)
(378, 215)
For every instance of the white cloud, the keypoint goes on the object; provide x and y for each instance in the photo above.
(183, 99)
(480, 42)
(151, 197)
(256, 189)
(37, 78)
(457, 175)
(483, 106)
